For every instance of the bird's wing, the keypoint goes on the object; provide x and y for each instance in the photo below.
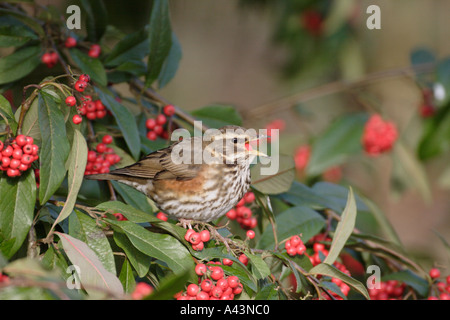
(159, 165)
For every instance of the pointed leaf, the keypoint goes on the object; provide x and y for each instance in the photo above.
(277, 183)
(19, 64)
(124, 119)
(343, 229)
(55, 146)
(91, 66)
(76, 163)
(328, 270)
(93, 275)
(18, 196)
(160, 38)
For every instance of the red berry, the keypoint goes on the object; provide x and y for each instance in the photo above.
(6, 161)
(202, 295)
(249, 197)
(94, 51)
(435, 273)
(199, 246)
(204, 236)
(27, 159)
(80, 85)
(161, 119)
(238, 289)
(76, 119)
(192, 289)
(21, 140)
(107, 139)
(162, 216)
(301, 249)
(233, 281)
(12, 172)
(318, 247)
(151, 135)
(84, 77)
(207, 285)
(231, 214)
(14, 164)
(301, 157)
(71, 101)
(101, 147)
(227, 262)
(7, 152)
(169, 110)
(1, 145)
(379, 135)
(150, 123)
(216, 292)
(217, 273)
(158, 129)
(70, 42)
(243, 258)
(200, 269)
(17, 154)
(194, 238)
(250, 234)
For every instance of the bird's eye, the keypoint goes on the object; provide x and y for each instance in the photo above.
(235, 140)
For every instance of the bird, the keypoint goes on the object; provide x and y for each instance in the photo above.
(196, 179)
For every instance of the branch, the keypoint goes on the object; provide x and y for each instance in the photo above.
(331, 88)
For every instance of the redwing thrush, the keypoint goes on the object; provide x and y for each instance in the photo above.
(214, 177)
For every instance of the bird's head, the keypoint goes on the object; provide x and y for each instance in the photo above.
(232, 145)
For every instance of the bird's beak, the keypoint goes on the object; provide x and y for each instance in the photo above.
(255, 141)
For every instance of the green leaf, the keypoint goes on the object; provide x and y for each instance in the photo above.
(30, 125)
(91, 66)
(417, 283)
(15, 36)
(268, 292)
(139, 261)
(96, 19)
(277, 183)
(85, 229)
(170, 66)
(328, 270)
(55, 146)
(133, 47)
(343, 230)
(93, 275)
(16, 214)
(422, 56)
(6, 111)
(217, 116)
(25, 19)
(259, 267)
(124, 119)
(126, 277)
(133, 197)
(76, 164)
(339, 141)
(160, 246)
(296, 220)
(19, 64)
(160, 39)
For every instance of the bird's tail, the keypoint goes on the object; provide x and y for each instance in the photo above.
(102, 176)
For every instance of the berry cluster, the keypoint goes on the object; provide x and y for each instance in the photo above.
(294, 245)
(212, 284)
(243, 214)
(50, 59)
(388, 290)
(18, 156)
(197, 239)
(100, 160)
(155, 126)
(379, 136)
(141, 290)
(92, 109)
(443, 288)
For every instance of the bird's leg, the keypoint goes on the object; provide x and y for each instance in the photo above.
(185, 223)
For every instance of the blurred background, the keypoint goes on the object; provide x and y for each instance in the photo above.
(321, 57)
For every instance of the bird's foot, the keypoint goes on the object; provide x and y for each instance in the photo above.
(185, 223)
